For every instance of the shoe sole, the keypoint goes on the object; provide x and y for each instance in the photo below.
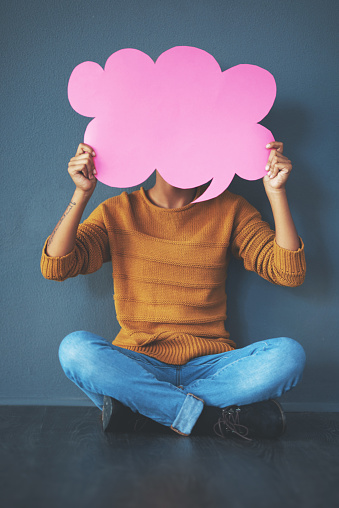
(106, 412)
(283, 417)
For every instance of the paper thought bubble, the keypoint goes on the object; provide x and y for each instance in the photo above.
(180, 115)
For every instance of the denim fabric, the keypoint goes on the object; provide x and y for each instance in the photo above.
(188, 415)
(174, 395)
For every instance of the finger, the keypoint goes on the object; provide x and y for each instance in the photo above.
(279, 168)
(78, 169)
(275, 157)
(82, 164)
(273, 153)
(85, 169)
(269, 160)
(85, 159)
(82, 157)
(77, 166)
(277, 145)
(83, 148)
(91, 171)
(76, 173)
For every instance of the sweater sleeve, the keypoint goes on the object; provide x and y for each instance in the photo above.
(90, 252)
(253, 241)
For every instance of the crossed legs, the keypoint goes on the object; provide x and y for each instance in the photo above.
(263, 370)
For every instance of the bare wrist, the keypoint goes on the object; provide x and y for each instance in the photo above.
(81, 196)
(276, 194)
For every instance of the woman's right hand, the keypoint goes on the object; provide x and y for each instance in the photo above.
(82, 170)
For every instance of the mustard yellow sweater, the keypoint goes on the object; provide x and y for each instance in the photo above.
(169, 268)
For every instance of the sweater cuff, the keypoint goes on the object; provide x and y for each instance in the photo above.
(290, 261)
(56, 267)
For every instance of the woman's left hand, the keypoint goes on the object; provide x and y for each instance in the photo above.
(278, 168)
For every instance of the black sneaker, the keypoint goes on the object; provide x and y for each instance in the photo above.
(116, 417)
(259, 420)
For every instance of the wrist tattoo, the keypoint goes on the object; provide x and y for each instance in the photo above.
(68, 209)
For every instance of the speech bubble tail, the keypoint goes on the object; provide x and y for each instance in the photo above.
(215, 188)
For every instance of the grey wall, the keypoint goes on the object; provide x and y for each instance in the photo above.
(42, 41)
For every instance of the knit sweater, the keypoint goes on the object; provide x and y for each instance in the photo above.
(170, 266)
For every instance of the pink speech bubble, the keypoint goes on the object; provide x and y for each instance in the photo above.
(180, 115)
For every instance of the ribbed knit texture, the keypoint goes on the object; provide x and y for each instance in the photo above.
(169, 268)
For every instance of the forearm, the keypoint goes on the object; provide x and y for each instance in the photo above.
(62, 240)
(286, 235)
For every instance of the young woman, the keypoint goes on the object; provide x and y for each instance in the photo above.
(173, 361)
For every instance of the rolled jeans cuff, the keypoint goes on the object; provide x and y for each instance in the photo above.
(188, 415)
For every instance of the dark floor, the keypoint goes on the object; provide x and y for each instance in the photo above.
(59, 457)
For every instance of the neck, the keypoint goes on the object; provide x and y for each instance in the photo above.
(165, 195)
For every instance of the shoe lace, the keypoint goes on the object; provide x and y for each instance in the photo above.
(230, 419)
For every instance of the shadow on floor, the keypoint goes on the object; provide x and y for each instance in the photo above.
(55, 457)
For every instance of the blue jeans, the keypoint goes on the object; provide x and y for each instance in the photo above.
(174, 395)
